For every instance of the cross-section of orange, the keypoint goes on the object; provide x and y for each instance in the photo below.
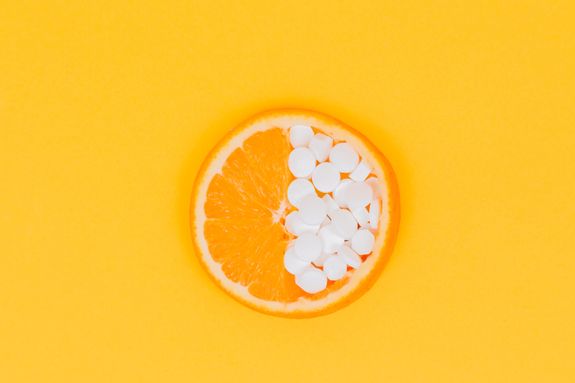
(239, 203)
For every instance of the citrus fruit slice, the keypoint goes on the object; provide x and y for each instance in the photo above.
(239, 207)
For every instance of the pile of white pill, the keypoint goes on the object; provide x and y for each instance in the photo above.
(336, 209)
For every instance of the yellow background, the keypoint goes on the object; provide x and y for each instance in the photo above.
(108, 108)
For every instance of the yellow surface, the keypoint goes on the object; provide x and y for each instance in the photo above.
(107, 110)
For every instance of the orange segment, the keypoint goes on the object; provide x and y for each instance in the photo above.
(238, 209)
(243, 209)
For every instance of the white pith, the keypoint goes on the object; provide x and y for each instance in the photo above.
(338, 133)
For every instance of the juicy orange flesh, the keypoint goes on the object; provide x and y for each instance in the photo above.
(245, 207)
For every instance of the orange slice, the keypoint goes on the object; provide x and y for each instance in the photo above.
(238, 207)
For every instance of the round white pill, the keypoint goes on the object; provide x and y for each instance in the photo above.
(320, 145)
(343, 223)
(349, 256)
(297, 189)
(360, 172)
(301, 162)
(300, 135)
(374, 214)
(330, 240)
(358, 194)
(340, 192)
(334, 268)
(362, 242)
(292, 263)
(307, 247)
(325, 177)
(344, 157)
(312, 210)
(311, 280)
(296, 226)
